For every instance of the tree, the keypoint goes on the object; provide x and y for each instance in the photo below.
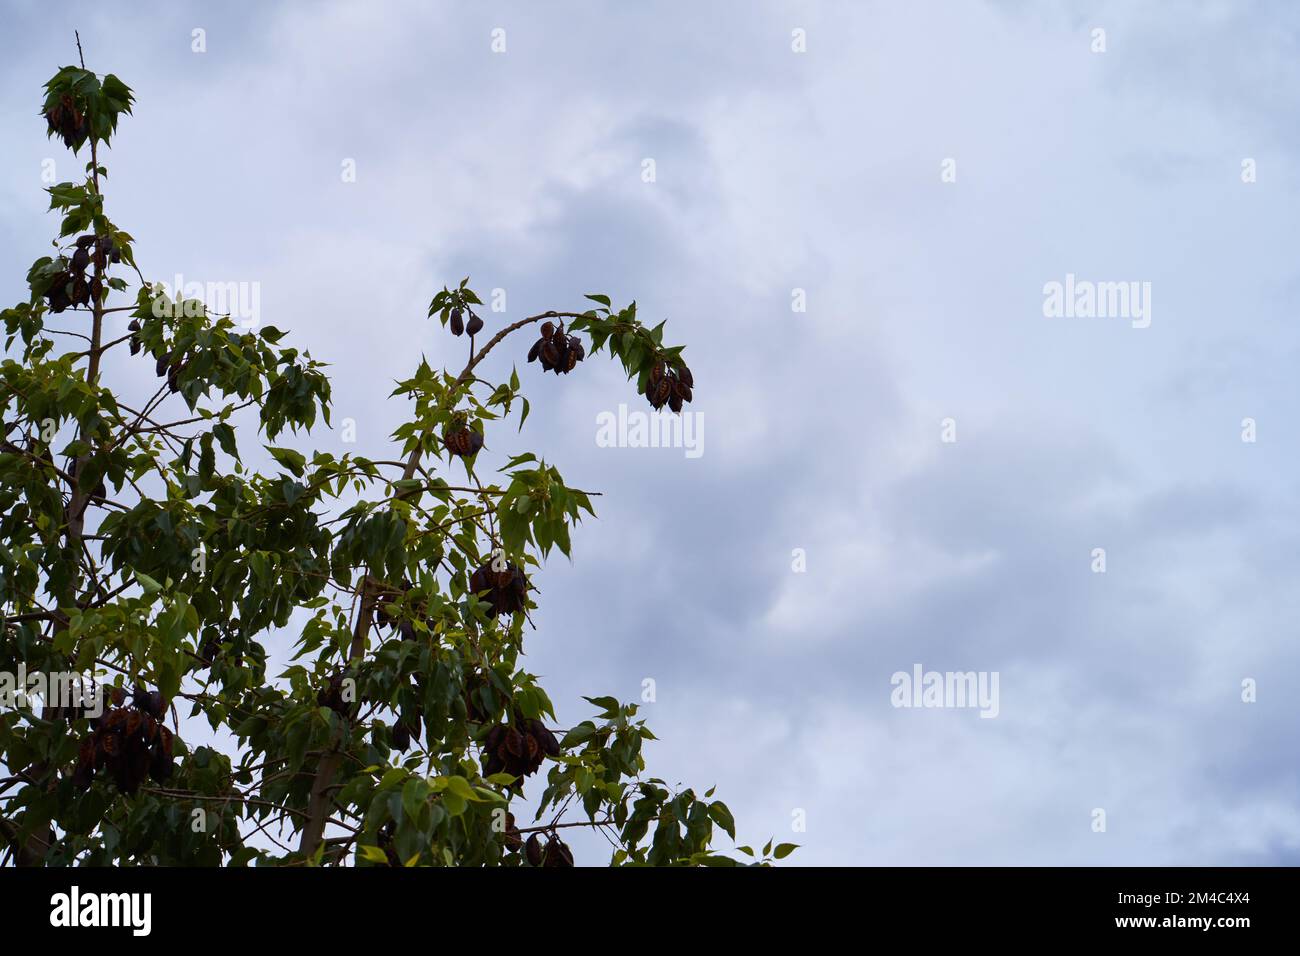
(138, 545)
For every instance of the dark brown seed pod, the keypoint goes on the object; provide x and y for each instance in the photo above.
(506, 590)
(160, 758)
(547, 740)
(111, 743)
(331, 696)
(557, 853)
(535, 351)
(662, 392)
(533, 850)
(149, 702)
(401, 738)
(513, 840)
(514, 743)
(685, 375)
(475, 324)
(456, 322)
(547, 330)
(463, 441)
(65, 120)
(84, 774)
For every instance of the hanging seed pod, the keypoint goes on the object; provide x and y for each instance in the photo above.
(331, 696)
(513, 839)
(57, 294)
(67, 121)
(550, 354)
(463, 441)
(475, 324)
(662, 392)
(505, 591)
(557, 854)
(160, 758)
(149, 702)
(456, 322)
(84, 774)
(533, 850)
(545, 739)
(401, 738)
(514, 743)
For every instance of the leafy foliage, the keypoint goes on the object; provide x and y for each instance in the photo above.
(137, 543)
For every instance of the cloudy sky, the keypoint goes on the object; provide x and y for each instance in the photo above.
(920, 171)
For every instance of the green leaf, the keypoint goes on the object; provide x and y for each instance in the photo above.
(584, 731)
(414, 793)
(608, 704)
(722, 817)
(372, 854)
(289, 458)
(459, 792)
